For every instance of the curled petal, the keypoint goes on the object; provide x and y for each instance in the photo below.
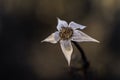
(76, 26)
(79, 36)
(53, 38)
(61, 23)
(67, 49)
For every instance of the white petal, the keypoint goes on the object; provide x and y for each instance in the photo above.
(76, 26)
(56, 36)
(82, 37)
(67, 49)
(61, 23)
(53, 38)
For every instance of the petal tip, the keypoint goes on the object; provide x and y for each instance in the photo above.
(96, 41)
(42, 41)
(58, 19)
(83, 27)
(68, 63)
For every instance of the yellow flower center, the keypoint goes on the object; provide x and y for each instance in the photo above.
(65, 33)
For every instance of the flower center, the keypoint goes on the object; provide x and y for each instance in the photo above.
(66, 33)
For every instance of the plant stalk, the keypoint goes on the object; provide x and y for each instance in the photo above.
(85, 61)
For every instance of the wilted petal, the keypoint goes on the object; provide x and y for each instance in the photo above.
(67, 49)
(76, 26)
(61, 23)
(53, 38)
(82, 37)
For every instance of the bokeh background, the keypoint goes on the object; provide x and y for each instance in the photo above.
(25, 23)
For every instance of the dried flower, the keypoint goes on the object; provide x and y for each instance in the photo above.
(67, 33)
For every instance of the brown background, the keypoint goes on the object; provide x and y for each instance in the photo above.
(24, 23)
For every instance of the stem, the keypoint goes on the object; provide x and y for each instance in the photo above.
(85, 61)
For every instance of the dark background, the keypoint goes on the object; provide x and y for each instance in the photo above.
(25, 23)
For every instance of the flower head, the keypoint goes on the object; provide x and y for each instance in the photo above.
(67, 33)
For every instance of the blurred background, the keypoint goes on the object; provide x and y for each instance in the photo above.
(25, 23)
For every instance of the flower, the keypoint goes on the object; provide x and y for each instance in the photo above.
(67, 33)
